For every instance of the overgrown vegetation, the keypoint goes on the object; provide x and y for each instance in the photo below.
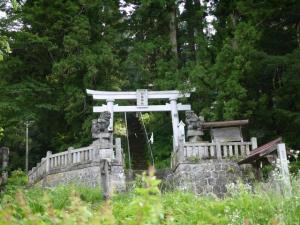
(145, 205)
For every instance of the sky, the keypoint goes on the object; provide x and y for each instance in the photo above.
(2, 14)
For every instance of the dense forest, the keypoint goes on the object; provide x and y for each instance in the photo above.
(241, 58)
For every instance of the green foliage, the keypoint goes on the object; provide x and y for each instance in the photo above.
(146, 205)
(247, 68)
(294, 167)
(160, 125)
(16, 180)
(266, 171)
(1, 133)
(91, 195)
(4, 47)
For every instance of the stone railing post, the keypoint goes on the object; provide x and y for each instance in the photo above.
(284, 169)
(70, 155)
(179, 154)
(38, 167)
(218, 150)
(105, 178)
(32, 175)
(49, 153)
(5, 156)
(118, 150)
(43, 166)
(181, 126)
(254, 143)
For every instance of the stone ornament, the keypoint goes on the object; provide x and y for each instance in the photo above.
(194, 126)
(100, 133)
(101, 124)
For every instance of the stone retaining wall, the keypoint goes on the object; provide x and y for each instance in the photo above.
(210, 176)
(203, 177)
(86, 174)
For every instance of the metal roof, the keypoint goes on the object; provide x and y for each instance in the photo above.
(261, 151)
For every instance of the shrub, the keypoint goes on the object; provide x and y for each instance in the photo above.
(146, 205)
(18, 179)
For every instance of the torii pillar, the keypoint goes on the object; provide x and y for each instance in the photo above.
(175, 121)
(110, 108)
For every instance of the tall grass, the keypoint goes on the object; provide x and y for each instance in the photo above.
(147, 205)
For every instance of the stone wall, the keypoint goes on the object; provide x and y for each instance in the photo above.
(86, 174)
(210, 176)
(202, 177)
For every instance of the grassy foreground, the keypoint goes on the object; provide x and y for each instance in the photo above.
(144, 205)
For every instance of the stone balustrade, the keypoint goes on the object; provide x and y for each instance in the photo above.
(68, 160)
(195, 151)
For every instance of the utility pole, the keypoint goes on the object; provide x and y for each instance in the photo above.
(27, 124)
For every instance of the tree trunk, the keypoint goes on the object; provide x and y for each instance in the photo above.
(298, 34)
(191, 28)
(234, 23)
(172, 27)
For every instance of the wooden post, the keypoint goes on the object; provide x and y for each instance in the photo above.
(254, 143)
(218, 150)
(284, 169)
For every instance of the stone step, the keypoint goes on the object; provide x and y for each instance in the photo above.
(137, 142)
(160, 174)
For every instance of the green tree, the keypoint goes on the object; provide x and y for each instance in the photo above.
(62, 48)
(257, 50)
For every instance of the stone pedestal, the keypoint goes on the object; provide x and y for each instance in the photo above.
(104, 140)
(194, 135)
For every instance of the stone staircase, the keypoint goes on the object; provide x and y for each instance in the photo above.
(161, 174)
(137, 142)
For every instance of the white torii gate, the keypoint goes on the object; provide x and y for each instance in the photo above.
(141, 96)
